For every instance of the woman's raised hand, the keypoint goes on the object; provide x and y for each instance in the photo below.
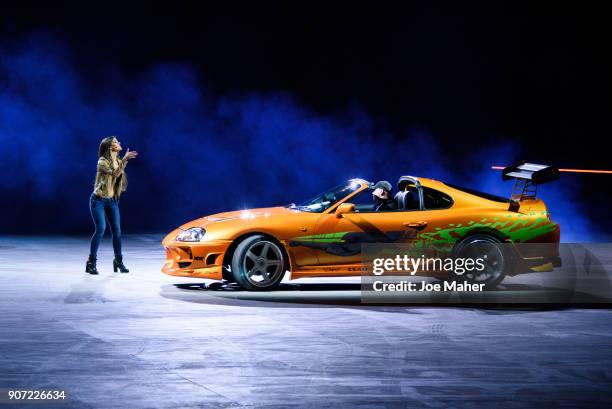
(129, 154)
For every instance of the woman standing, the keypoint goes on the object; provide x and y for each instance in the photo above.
(111, 181)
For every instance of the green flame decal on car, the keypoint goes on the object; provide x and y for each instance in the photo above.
(349, 243)
(517, 228)
(323, 238)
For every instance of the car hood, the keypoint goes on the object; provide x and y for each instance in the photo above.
(248, 214)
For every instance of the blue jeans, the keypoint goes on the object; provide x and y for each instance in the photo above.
(102, 209)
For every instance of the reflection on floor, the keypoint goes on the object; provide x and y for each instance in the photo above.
(146, 340)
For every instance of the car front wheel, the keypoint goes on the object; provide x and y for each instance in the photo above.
(258, 264)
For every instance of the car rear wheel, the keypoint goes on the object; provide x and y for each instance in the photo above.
(258, 263)
(494, 258)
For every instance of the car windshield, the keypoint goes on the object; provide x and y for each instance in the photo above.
(326, 199)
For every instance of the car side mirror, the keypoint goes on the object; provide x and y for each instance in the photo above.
(344, 208)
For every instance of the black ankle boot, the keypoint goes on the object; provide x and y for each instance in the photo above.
(90, 267)
(118, 265)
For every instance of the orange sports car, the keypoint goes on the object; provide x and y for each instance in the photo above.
(323, 237)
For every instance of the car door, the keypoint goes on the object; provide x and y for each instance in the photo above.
(342, 237)
(345, 235)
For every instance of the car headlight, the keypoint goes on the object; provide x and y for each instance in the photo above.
(191, 234)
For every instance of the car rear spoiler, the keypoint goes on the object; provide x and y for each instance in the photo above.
(532, 172)
(527, 177)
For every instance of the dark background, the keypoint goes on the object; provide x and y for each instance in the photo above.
(257, 104)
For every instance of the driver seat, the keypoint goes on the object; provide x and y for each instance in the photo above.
(400, 199)
(407, 200)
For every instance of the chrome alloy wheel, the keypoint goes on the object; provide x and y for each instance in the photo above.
(262, 263)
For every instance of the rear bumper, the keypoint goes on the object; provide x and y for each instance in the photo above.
(538, 257)
(541, 265)
(202, 259)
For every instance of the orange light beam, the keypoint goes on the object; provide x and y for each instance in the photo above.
(568, 170)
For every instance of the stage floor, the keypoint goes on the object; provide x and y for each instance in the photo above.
(147, 340)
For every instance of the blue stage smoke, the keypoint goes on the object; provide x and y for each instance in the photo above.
(202, 154)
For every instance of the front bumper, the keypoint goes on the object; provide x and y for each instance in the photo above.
(202, 259)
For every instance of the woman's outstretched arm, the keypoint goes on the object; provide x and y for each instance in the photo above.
(105, 167)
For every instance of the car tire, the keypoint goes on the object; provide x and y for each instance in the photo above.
(496, 260)
(258, 263)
